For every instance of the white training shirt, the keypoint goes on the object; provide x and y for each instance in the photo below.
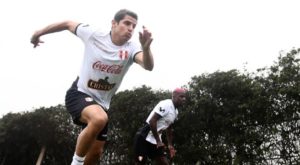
(168, 113)
(104, 63)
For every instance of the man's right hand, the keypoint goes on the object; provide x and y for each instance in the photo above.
(160, 144)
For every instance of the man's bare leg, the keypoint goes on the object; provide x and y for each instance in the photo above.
(96, 118)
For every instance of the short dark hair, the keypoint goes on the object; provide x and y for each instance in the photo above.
(122, 13)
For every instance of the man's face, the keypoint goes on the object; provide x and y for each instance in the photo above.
(180, 98)
(125, 28)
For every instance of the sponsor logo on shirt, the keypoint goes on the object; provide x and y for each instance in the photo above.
(101, 84)
(113, 69)
(161, 110)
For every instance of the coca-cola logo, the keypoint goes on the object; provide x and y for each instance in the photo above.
(113, 69)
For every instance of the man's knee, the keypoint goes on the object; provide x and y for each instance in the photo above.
(94, 116)
(99, 121)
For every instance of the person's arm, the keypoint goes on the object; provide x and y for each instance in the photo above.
(169, 134)
(145, 58)
(153, 127)
(52, 28)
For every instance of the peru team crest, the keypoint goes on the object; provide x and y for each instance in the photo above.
(123, 54)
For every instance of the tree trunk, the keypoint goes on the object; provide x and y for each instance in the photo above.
(41, 156)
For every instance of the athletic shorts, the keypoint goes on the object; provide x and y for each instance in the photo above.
(76, 101)
(144, 149)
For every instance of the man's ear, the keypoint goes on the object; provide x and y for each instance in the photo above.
(113, 23)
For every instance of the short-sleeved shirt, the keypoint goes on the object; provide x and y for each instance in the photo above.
(104, 63)
(168, 113)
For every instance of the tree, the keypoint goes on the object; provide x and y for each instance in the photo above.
(243, 118)
(221, 127)
(25, 135)
(282, 84)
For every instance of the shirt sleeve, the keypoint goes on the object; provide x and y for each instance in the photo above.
(84, 31)
(161, 109)
(135, 49)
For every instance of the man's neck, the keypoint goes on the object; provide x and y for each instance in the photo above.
(115, 40)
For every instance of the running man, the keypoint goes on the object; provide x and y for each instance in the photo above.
(148, 142)
(107, 58)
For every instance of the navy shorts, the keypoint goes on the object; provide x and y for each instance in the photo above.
(76, 101)
(144, 149)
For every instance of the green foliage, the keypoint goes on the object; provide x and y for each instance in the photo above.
(24, 134)
(236, 118)
(220, 117)
(283, 88)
